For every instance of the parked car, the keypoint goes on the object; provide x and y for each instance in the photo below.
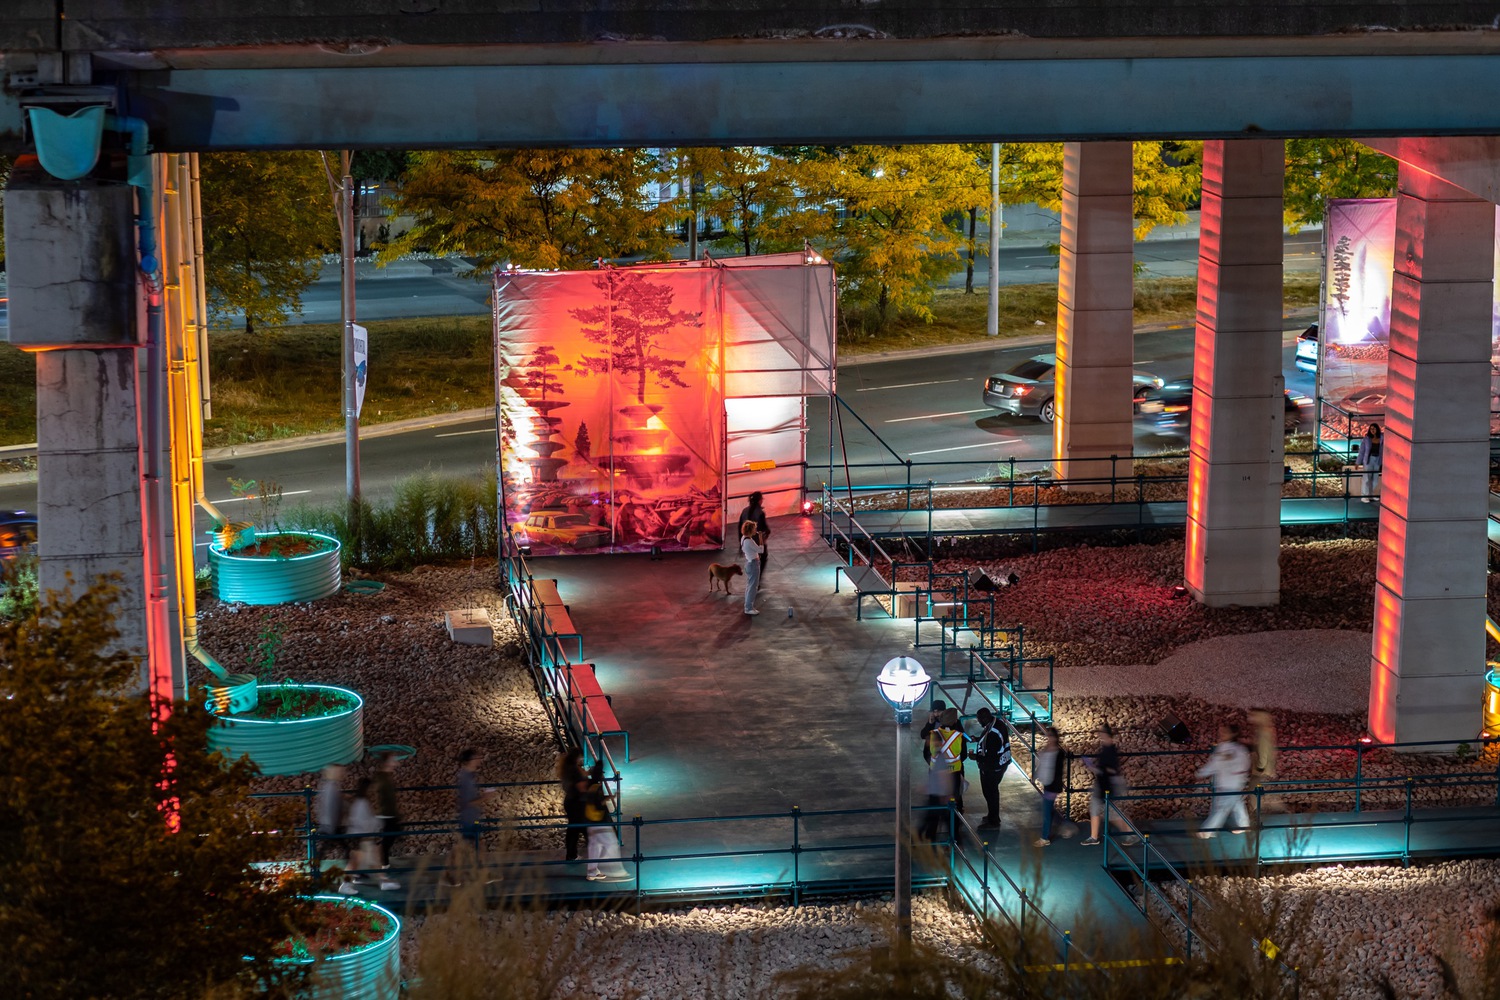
(1170, 407)
(560, 527)
(1307, 349)
(1028, 388)
(17, 534)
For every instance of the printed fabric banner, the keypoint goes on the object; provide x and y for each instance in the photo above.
(612, 410)
(361, 367)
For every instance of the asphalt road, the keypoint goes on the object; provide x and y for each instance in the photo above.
(436, 288)
(928, 409)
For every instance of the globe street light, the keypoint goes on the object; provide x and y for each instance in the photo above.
(902, 683)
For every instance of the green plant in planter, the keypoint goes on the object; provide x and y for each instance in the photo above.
(266, 495)
(267, 646)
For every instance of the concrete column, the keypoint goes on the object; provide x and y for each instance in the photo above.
(1427, 657)
(72, 286)
(1095, 299)
(1237, 440)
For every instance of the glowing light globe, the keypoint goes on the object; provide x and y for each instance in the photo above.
(903, 682)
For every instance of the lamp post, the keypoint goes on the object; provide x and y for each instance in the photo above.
(902, 683)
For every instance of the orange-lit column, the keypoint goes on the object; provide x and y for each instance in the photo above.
(1237, 447)
(1095, 293)
(1427, 659)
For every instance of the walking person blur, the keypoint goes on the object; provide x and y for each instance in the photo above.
(364, 827)
(574, 781)
(604, 845)
(328, 819)
(992, 756)
(1370, 462)
(1109, 782)
(752, 550)
(755, 511)
(1050, 771)
(468, 852)
(1229, 768)
(1264, 765)
(387, 808)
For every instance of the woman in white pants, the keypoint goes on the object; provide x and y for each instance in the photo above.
(1229, 769)
(751, 548)
(604, 846)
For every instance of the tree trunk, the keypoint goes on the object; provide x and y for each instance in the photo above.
(969, 273)
(249, 324)
(884, 302)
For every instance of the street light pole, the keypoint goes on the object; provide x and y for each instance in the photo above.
(351, 405)
(992, 322)
(902, 683)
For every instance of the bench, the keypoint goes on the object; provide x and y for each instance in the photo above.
(544, 593)
(579, 686)
(551, 617)
(867, 582)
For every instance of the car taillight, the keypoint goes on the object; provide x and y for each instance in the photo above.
(1177, 409)
(1021, 390)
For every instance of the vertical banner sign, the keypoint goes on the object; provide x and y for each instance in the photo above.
(361, 364)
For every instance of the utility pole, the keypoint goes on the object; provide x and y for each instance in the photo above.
(342, 192)
(992, 322)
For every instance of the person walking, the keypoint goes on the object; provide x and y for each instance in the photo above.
(574, 781)
(1050, 772)
(1109, 780)
(328, 818)
(604, 845)
(992, 757)
(1228, 767)
(1369, 462)
(468, 851)
(364, 826)
(387, 808)
(752, 550)
(1263, 769)
(755, 511)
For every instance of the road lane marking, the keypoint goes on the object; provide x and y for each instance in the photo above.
(285, 493)
(934, 416)
(909, 385)
(454, 434)
(966, 447)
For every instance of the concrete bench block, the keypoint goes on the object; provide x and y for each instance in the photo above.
(470, 626)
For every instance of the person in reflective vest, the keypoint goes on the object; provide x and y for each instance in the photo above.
(945, 753)
(992, 756)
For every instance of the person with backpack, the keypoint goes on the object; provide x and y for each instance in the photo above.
(1228, 767)
(1050, 769)
(992, 756)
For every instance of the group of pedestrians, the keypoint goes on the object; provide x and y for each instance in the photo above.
(360, 827)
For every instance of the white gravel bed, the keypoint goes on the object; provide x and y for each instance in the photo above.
(1308, 670)
(420, 689)
(730, 952)
(1386, 921)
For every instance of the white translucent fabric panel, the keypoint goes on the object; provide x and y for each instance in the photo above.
(766, 430)
(779, 496)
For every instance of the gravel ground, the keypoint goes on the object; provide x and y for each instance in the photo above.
(1384, 921)
(730, 952)
(420, 688)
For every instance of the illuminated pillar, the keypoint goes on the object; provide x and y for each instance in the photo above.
(1427, 657)
(1237, 444)
(1095, 298)
(72, 287)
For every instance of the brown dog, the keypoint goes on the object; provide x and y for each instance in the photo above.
(718, 573)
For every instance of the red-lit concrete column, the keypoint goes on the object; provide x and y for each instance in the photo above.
(1237, 446)
(1095, 290)
(1427, 658)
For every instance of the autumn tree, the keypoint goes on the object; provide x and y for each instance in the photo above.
(758, 195)
(1168, 179)
(635, 315)
(101, 898)
(1318, 170)
(533, 208)
(265, 226)
(892, 246)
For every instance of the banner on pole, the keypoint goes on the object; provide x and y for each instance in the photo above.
(361, 365)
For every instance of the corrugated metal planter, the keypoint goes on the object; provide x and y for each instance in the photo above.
(277, 579)
(370, 972)
(295, 744)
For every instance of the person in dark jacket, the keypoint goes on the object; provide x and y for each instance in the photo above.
(1109, 781)
(755, 512)
(991, 755)
(575, 782)
(386, 806)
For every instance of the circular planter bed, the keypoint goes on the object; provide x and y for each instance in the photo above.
(295, 728)
(279, 567)
(353, 947)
